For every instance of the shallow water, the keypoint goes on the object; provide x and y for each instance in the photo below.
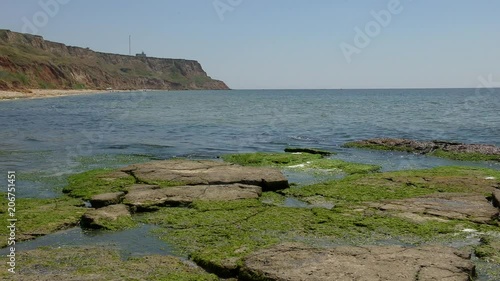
(61, 136)
(45, 140)
(138, 241)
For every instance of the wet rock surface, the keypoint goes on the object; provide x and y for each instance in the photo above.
(207, 173)
(428, 147)
(235, 229)
(99, 218)
(471, 207)
(100, 264)
(496, 198)
(377, 263)
(106, 199)
(144, 198)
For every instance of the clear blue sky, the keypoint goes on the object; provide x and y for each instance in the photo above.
(288, 43)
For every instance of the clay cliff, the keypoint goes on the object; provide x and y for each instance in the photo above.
(30, 62)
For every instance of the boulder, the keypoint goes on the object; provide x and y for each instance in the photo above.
(106, 199)
(104, 217)
(204, 172)
(428, 147)
(371, 263)
(496, 198)
(471, 207)
(150, 199)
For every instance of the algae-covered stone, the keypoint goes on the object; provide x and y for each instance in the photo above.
(204, 172)
(489, 249)
(496, 198)
(402, 184)
(100, 264)
(299, 262)
(445, 205)
(38, 217)
(106, 199)
(88, 184)
(112, 217)
(140, 187)
(302, 161)
(219, 235)
(145, 199)
(445, 149)
(308, 150)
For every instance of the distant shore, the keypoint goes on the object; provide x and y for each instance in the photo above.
(47, 93)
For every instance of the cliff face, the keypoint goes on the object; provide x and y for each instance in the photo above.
(29, 61)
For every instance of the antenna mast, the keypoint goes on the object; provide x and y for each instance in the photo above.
(130, 45)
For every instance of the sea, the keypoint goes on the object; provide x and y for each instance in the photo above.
(45, 140)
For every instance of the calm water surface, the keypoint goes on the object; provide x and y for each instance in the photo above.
(45, 140)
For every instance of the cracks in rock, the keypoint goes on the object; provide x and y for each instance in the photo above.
(419, 270)
(137, 180)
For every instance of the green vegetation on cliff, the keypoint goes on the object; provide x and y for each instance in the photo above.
(29, 61)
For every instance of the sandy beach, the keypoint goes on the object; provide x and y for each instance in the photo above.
(45, 93)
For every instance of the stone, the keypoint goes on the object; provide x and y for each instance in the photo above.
(139, 187)
(100, 218)
(205, 172)
(475, 208)
(147, 199)
(308, 150)
(370, 263)
(496, 198)
(428, 147)
(106, 199)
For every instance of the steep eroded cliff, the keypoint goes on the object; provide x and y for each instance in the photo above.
(30, 62)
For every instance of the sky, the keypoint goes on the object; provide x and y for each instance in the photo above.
(286, 44)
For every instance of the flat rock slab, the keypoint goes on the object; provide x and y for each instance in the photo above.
(106, 199)
(140, 187)
(475, 208)
(94, 218)
(373, 263)
(183, 195)
(496, 198)
(189, 172)
(425, 147)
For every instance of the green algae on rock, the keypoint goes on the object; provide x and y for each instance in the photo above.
(218, 235)
(112, 217)
(38, 217)
(99, 181)
(308, 150)
(444, 149)
(305, 161)
(403, 184)
(98, 263)
(489, 249)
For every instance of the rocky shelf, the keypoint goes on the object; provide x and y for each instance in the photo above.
(445, 149)
(230, 220)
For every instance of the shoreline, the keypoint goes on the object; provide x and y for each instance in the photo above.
(46, 93)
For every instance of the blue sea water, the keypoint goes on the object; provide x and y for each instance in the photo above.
(45, 140)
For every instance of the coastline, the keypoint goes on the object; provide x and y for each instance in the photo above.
(46, 93)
